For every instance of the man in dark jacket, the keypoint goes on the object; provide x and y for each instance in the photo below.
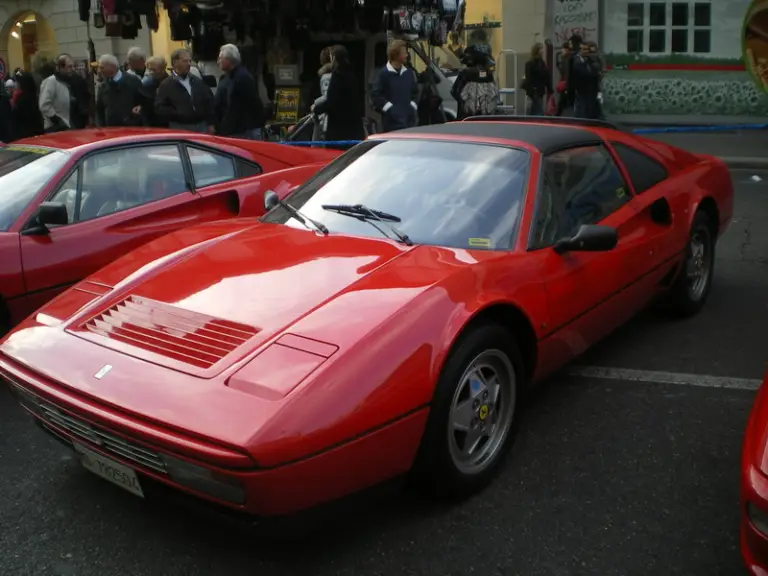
(239, 110)
(587, 72)
(395, 90)
(156, 66)
(118, 100)
(184, 100)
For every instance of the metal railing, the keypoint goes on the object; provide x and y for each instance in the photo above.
(504, 93)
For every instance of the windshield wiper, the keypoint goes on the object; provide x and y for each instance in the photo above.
(303, 218)
(364, 213)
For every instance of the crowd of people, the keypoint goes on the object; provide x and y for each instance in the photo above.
(579, 91)
(142, 92)
(147, 92)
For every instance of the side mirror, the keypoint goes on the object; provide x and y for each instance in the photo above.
(48, 214)
(210, 80)
(271, 200)
(589, 238)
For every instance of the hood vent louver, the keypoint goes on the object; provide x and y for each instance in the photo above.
(183, 335)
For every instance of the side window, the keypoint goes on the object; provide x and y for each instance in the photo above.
(578, 186)
(643, 171)
(67, 195)
(210, 167)
(245, 169)
(120, 179)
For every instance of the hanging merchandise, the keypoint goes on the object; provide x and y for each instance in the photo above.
(182, 22)
(84, 10)
(429, 20)
(98, 15)
(209, 35)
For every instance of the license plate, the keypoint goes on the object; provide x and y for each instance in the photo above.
(110, 470)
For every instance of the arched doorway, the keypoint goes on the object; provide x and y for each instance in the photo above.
(25, 39)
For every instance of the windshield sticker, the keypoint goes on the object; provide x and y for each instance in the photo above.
(480, 242)
(30, 149)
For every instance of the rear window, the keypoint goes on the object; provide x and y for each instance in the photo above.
(24, 171)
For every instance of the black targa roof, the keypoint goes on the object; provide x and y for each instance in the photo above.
(546, 138)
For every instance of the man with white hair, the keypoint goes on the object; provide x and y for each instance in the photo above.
(119, 98)
(239, 110)
(137, 62)
(156, 74)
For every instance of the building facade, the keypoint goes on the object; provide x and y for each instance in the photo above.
(30, 29)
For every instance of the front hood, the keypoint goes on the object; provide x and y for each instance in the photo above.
(202, 313)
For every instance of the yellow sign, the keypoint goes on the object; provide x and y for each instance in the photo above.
(30, 149)
(287, 101)
(480, 242)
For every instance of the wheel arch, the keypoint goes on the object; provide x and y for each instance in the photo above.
(708, 205)
(511, 317)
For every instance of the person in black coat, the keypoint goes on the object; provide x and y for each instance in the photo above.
(239, 110)
(119, 98)
(396, 91)
(27, 119)
(538, 81)
(343, 103)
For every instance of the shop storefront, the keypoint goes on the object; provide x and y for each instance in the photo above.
(666, 57)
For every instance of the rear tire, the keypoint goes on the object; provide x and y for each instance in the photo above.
(471, 425)
(693, 284)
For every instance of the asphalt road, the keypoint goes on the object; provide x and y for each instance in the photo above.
(607, 476)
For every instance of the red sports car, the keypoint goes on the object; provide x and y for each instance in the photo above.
(383, 319)
(72, 202)
(754, 486)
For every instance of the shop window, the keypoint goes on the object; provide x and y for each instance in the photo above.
(634, 41)
(635, 14)
(658, 14)
(680, 41)
(657, 40)
(680, 15)
(669, 27)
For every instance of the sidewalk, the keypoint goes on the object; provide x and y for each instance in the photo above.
(640, 120)
(739, 149)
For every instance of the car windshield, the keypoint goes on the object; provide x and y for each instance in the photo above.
(24, 170)
(453, 194)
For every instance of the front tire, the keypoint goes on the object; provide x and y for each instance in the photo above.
(693, 284)
(471, 425)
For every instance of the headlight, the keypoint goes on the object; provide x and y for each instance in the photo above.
(204, 480)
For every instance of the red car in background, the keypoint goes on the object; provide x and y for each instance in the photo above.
(72, 202)
(754, 486)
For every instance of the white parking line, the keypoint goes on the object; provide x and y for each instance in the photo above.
(654, 377)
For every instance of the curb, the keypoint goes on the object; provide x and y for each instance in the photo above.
(745, 162)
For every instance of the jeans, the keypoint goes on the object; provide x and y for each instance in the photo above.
(252, 134)
(536, 106)
(201, 127)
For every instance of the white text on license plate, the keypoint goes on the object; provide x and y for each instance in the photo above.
(110, 470)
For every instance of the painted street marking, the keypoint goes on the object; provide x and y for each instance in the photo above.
(654, 377)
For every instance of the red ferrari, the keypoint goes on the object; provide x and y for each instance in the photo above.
(754, 486)
(74, 201)
(383, 319)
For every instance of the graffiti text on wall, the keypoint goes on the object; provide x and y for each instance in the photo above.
(575, 17)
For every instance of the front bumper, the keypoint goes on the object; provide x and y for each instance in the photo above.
(256, 493)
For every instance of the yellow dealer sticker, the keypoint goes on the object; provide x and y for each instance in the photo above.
(480, 242)
(30, 149)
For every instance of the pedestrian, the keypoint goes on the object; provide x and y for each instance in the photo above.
(137, 62)
(321, 122)
(343, 103)
(574, 42)
(156, 74)
(538, 81)
(184, 100)
(395, 90)
(6, 117)
(239, 110)
(594, 52)
(475, 89)
(119, 97)
(55, 100)
(586, 74)
(80, 98)
(564, 105)
(27, 120)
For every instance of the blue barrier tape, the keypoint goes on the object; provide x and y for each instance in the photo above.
(659, 130)
(715, 128)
